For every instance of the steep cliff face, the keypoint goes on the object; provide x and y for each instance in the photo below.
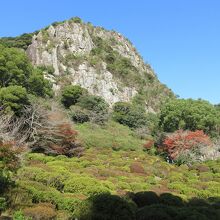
(104, 62)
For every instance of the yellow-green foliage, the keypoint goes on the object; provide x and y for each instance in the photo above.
(67, 181)
(111, 135)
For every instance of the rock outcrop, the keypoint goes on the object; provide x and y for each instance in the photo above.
(67, 47)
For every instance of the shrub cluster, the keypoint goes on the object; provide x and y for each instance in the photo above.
(131, 115)
(84, 107)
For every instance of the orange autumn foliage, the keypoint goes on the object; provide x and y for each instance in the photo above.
(180, 141)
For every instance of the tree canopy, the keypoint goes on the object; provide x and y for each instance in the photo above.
(15, 67)
(13, 98)
(189, 114)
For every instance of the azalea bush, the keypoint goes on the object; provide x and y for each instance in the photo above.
(183, 145)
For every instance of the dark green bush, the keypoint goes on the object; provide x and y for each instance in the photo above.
(96, 106)
(71, 94)
(197, 202)
(106, 207)
(48, 69)
(145, 198)
(79, 115)
(120, 65)
(38, 85)
(171, 200)
(130, 115)
(190, 214)
(13, 98)
(158, 212)
(93, 103)
(76, 20)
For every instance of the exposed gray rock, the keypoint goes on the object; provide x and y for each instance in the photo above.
(101, 83)
(52, 46)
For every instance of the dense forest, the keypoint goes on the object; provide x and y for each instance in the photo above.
(72, 155)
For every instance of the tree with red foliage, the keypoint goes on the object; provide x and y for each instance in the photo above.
(64, 141)
(56, 136)
(181, 141)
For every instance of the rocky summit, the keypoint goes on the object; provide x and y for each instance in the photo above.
(101, 61)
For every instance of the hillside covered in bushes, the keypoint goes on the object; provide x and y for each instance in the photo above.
(88, 132)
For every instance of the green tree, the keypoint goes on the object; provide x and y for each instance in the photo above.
(15, 68)
(133, 116)
(189, 114)
(13, 98)
(71, 94)
(95, 107)
(93, 103)
(38, 85)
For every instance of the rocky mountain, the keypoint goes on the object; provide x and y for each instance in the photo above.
(104, 62)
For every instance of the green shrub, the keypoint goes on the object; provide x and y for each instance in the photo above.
(120, 65)
(89, 108)
(157, 212)
(76, 20)
(84, 185)
(13, 98)
(71, 94)
(106, 206)
(190, 214)
(206, 176)
(130, 115)
(170, 200)
(111, 135)
(145, 198)
(93, 103)
(79, 114)
(38, 85)
(19, 215)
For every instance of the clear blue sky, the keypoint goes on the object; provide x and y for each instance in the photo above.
(179, 38)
